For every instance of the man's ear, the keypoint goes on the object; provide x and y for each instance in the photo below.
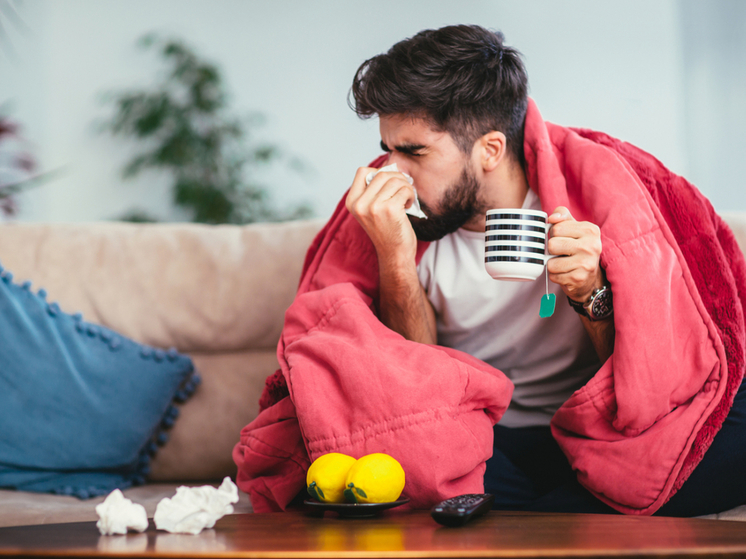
(493, 148)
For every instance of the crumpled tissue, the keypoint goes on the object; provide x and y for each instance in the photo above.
(117, 515)
(193, 509)
(414, 210)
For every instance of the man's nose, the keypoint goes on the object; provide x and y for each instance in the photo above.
(400, 160)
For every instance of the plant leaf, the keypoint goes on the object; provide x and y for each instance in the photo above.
(350, 496)
(184, 129)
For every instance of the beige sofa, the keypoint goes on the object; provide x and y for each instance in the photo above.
(218, 293)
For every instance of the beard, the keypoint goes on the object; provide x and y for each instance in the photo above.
(459, 205)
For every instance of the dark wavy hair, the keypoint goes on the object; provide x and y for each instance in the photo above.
(460, 79)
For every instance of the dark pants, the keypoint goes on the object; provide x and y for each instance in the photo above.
(529, 472)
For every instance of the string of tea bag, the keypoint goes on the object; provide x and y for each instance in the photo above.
(548, 300)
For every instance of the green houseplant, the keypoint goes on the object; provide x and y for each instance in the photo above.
(186, 129)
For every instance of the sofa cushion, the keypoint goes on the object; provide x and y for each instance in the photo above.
(218, 293)
(199, 288)
(201, 442)
(19, 508)
(80, 405)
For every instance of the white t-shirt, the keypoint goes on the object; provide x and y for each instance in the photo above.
(498, 322)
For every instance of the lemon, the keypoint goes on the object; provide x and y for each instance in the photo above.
(327, 476)
(375, 478)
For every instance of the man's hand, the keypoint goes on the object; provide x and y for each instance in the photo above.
(379, 208)
(578, 271)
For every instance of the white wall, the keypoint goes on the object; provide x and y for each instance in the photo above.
(614, 66)
(714, 47)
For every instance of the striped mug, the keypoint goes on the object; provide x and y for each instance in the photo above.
(515, 244)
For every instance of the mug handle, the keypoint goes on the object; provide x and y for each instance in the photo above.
(548, 257)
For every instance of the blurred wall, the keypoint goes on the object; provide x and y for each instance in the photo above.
(714, 54)
(627, 68)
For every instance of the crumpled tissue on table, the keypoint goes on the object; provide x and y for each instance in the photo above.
(414, 210)
(194, 508)
(118, 514)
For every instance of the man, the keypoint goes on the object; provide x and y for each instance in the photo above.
(596, 411)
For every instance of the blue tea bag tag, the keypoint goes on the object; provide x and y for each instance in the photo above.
(547, 305)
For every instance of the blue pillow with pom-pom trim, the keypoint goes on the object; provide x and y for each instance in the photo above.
(82, 408)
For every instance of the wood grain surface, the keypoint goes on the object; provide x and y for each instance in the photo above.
(396, 534)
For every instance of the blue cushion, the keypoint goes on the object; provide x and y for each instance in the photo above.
(82, 408)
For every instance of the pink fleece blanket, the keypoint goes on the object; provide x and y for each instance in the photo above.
(634, 433)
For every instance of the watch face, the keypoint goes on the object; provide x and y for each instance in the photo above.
(602, 306)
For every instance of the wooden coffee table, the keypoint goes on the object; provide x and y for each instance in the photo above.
(396, 534)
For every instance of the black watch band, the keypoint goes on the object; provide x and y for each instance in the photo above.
(599, 305)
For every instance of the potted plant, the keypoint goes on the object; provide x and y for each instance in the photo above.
(185, 128)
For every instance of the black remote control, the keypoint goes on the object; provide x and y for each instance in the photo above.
(457, 511)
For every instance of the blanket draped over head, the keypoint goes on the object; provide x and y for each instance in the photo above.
(633, 434)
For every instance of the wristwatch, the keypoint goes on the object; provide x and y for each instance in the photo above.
(598, 306)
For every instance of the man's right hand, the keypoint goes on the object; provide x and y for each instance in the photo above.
(380, 207)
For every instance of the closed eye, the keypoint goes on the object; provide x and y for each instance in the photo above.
(407, 149)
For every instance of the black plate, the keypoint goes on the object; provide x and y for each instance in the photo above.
(358, 510)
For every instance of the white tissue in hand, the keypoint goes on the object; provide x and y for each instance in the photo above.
(194, 508)
(118, 514)
(414, 210)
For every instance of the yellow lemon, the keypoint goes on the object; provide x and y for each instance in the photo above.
(375, 478)
(327, 476)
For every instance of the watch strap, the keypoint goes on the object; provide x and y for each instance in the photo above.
(579, 307)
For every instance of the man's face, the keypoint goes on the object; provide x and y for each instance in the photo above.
(447, 186)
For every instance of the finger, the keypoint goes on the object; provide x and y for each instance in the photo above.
(569, 274)
(575, 229)
(560, 214)
(391, 202)
(383, 182)
(563, 245)
(403, 197)
(395, 188)
(358, 186)
(562, 265)
(573, 270)
(363, 193)
(381, 178)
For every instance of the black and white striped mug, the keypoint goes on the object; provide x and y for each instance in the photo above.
(515, 244)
